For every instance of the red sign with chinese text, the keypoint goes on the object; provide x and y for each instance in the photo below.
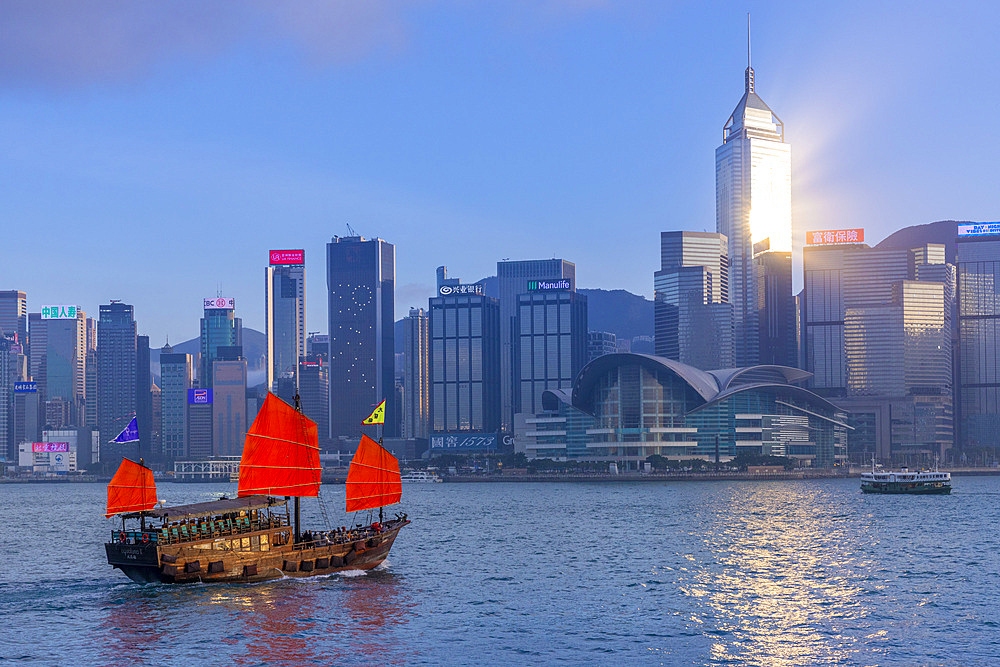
(835, 236)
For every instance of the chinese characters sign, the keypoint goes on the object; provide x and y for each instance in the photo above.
(451, 290)
(25, 387)
(58, 312)
(464, 441)
(287, 256)
(220, 303)
(835, 236)
(46, 447)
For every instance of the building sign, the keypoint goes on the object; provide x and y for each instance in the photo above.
(835, 236)
(548, 285)
(58, 312)
(287, 256)
(464, 441)
(202, 396)
(47, 447)
(452, 290)
(311, 364)
(979, 229)
(25, 387)
(220, 303)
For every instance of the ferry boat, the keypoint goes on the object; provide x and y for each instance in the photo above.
(905, 481)
(254, 537)
(421, 476)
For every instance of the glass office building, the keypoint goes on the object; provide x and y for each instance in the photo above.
(552, 344)
(753, 190)
(464, 361)
(416, 374)
(360, 276)
(513, 278)
(285, 319)
(978, 285)
(220, 328)
(692, 316)
(116, 376)
(176, 378)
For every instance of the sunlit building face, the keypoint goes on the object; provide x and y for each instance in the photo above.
(753, 184)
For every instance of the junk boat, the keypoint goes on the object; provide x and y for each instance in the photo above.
(253, 537)
(904, 481)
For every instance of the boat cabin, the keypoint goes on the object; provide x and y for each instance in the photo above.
(228, 523)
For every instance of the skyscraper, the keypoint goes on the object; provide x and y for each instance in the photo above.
(14, 315)
(464, 360)
(877, 325)
(176, 378)
(360, 278)
(229, 404)
(220, 328)
(551, 342)
(777, 339)
(144, 397)
(692, 313)
(978, 249)
(753, 192)
(513, 278)
(116, 376)
(416, 374)
(285, 319)
(64, 347)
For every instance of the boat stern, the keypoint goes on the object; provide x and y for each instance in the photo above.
(139, 562)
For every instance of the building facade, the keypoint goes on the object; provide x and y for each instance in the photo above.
(978, 287)
(176, 380)
(753, 189)
(551, 343)
(229, 404)
(360, 282)
(600, 343)
(416, 374)
(464, 362)
(623, 408)
(116, 377)
(877, 330)
(285, 319)
(692, 314)
(221, 331)
(513, 278)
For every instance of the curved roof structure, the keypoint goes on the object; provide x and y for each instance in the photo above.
(711, 386)
(792, 389)
(700, 381)
(727, 377)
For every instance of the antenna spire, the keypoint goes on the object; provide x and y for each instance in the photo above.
(749, 72)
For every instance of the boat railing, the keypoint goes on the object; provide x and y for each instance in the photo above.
(202, 530)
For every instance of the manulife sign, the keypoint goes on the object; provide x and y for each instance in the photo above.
(546, 285)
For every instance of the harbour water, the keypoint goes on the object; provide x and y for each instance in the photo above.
(805, 572)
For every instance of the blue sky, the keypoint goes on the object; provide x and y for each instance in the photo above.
(153, 152)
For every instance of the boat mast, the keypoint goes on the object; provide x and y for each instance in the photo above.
(298, 533)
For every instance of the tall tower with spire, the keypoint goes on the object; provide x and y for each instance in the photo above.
(753, 208)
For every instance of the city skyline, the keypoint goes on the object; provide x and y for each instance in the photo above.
(109, 163)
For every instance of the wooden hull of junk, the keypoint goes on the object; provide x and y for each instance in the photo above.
(232, 558)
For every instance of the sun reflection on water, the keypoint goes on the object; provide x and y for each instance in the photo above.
(778, 581)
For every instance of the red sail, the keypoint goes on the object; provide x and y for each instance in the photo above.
(280, 453)
(132, 489)
(373, 478)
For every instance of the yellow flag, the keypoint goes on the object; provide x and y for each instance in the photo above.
(377, 417)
